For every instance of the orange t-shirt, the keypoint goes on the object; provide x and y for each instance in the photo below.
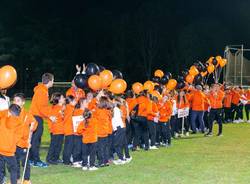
(132, 102)
(88, 132)
(68, 124)
(142, 101)
(228, 99)
(165, 111)
(152, 110)
(103, 118)
(247, 95)
(216, 99)
(235, 97)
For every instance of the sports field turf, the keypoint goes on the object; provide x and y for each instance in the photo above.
(196, 159)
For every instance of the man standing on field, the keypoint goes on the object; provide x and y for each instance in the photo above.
(40, 109)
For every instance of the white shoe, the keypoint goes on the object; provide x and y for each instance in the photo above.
(248, 121)
(93, 168)
(77, 165)
(176, 135)
(187, 134)
(163, 144)
(236, 121)
(153, 148)
(241, 120)
(127, 160)
(85, 168)
(119, 162)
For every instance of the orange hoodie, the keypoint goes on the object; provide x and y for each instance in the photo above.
(68, 124)
(75, 92)
(58, 126)
(235, 97)
(131, 103)
(228, 99)
(89, 131)
(181, 104)
(197, 100)
(142, 101)
(247, 95)
(165, 111)
(9, 135)
(92, 104)
(40, 102)
(152, 111)
(103, 118)
(216, 99)
(26, 120)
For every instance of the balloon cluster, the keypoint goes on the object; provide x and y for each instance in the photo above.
(8, 77)
(97, 78)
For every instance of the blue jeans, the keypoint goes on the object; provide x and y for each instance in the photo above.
(197, 115)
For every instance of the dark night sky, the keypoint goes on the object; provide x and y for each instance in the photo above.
(134, 36)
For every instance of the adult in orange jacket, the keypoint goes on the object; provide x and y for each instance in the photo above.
(227, 104)
(27, 127)
(216, 97)
(40, 109)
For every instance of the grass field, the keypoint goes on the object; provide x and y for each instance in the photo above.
(196, 159)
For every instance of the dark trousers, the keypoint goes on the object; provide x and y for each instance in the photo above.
(55, 147)
(247, 109)
(215, 114)
(36, 141)
(77, 148)
(110, 147)
(68, 148)
(20, 158)
(205, 119)
(152, 132)
(129, 132)
(237, 111)
(143, 130)
(120, 143)
(137, 133)
(101, 150)
(12, 167)
(228, 114)
(174, 125)
(186, 124)
(88, 150)
(164, 132)
(194, 116)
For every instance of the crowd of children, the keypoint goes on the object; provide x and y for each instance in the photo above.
(90, 129)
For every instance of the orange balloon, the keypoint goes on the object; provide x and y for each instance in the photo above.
(189, 78)
(8, 76)
(171, 84)
(210, 68)
(137, 87)
(106, 77)
(193, 71)
(156, 94)
(223, 62)
(149, 86)
(218, 58)
(95, 82)
(118, 86)
(159, 73)
(210, 59)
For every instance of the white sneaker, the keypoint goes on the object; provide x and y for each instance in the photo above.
(187, 134)
(85, 168)
(236, 121)
(163, 144)
(119, 162)
(176, 135)
(93, 168)
(153, 148)
(128, 160)
(77, 165)
(248, 121)
(241, 120)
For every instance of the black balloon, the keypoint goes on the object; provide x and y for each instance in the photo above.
(180, 85)
(185, 73)
(180, 78)
(158, 88)
(164, 80)
(117, 74)
(101, 68)
(92, 69)
(214, 62)
(156, 79)
(198, 79)
(168, 74)
(81, 81)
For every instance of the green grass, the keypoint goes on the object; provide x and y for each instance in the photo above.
(196, 159)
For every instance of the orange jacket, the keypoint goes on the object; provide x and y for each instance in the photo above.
(142, 101)
(152, 110)
(197, 100)
(131, 103)
(235, 97)
(247, 95)
(68, 124)
(181, 104)
(40, 102)
(103, 118)
(24, 131)
(57, 127)
(9, 135)
(77, 112)
(92, 104)
(216, 99)
(76, 92)
(227, 100)
(89, 131)
(165, 111)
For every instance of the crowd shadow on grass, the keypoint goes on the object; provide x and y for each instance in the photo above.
(192, 137)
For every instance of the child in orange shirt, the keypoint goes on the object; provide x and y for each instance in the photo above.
(28, 126)
(9, 125)
(57, 128)
(88, 129)
(68, 129)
